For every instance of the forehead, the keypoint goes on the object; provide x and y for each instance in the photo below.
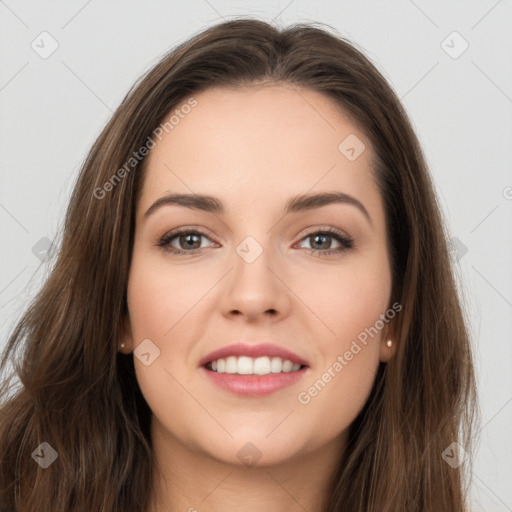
(259, 144)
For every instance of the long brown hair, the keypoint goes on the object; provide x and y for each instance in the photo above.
(80, 395)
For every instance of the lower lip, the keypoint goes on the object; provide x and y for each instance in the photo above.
(254, 385)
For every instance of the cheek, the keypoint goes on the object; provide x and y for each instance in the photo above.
(156, 310)
(159, 297)
(332, 399)
(350, 302)
(338, 388)
(346, 300)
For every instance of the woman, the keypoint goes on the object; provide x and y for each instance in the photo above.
(195, 349)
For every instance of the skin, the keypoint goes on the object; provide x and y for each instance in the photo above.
(254, 148)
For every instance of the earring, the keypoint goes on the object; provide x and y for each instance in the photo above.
(389, 343)
(122, 345)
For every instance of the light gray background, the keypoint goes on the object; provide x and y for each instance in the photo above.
(52, 110)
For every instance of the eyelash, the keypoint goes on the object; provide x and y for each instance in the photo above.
(346, 242)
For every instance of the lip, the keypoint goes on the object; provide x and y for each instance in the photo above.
(253, 351)
(254, 385)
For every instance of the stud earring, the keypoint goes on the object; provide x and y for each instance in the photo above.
(122, 345)
(389, 343)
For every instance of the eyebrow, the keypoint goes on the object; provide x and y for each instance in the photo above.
(295, 204)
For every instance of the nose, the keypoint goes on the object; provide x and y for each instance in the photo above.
(255, 288)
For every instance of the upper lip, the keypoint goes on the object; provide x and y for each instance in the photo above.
(259, 350)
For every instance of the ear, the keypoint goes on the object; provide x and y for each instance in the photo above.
(126, 337)
(388, 335)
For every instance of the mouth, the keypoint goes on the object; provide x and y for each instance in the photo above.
(252, 378)
(250, 370)
(247, 359)
(256, 366)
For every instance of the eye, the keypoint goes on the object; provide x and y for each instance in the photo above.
(320, 241)
(189, 239)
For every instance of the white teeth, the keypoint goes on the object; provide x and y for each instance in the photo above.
(261, 366)
(276, 365)
(244, 365)
(287, 366)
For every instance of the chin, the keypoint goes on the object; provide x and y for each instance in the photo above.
(253, 451)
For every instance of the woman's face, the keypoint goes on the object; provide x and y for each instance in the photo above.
(259, 270)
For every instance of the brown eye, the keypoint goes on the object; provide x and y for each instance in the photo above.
(188, 242)
(321, 242)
